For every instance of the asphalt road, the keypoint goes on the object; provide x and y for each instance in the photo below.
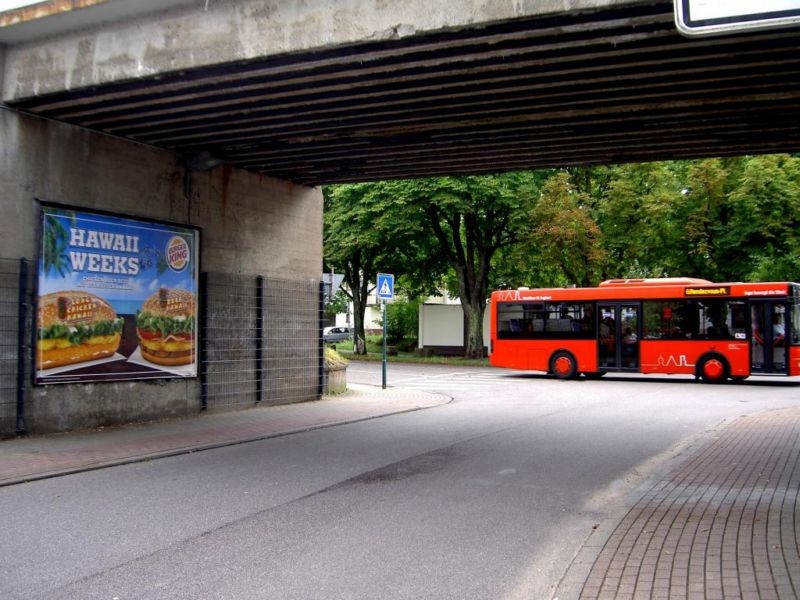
(489, 496)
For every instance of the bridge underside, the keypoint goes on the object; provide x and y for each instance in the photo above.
(611, 86)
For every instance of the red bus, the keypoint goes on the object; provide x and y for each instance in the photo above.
(713, 331)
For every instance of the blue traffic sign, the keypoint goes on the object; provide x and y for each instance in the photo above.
(385, 286)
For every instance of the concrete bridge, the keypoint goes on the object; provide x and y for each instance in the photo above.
(319, 91)
(226, 115)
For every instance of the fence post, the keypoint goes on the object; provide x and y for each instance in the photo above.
(259, 339)
(22, 319)
(203, 335)
(320, 326)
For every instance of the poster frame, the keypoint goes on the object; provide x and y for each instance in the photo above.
(40, 205)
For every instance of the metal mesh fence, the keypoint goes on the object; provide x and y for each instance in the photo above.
(261, 340)
(292, 359)
(15, 319)
(228, 340)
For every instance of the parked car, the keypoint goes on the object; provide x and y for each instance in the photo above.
(336, 334)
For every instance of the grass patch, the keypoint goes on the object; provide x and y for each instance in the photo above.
(373, 355)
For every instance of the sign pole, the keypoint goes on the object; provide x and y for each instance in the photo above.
(383, 371)
(385, 291)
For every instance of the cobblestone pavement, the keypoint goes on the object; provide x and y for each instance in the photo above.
(722, 525)
(38, 457)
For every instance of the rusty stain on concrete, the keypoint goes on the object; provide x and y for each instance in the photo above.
(42, 10)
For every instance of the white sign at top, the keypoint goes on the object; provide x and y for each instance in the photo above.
(710, 17)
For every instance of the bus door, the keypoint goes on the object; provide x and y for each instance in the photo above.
(768, 322)
(618, 336)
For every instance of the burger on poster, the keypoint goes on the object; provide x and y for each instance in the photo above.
(74, 327)
(165, 327)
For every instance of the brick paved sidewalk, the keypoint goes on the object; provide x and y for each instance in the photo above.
(38, 457)
(722, 525)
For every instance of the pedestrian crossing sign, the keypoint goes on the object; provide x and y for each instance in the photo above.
(385, 286)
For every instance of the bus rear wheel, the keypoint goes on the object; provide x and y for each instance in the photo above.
(563, 365)
(713, 369)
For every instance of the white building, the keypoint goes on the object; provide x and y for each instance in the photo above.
(442, 325)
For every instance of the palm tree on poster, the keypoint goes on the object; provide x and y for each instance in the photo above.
(55, 240)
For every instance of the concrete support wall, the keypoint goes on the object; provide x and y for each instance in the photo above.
(250, 224)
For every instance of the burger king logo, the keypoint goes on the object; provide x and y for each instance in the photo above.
(177, 253)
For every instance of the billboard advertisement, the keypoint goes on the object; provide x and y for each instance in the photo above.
(117, 298)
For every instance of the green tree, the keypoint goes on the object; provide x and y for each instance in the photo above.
(366, 231)
(471, 219)
(592, 181)
(402, 322)
(637, 219)
(565, 234)
(352, 244)
(762, 236)
(337, 304)
(701, 209)
(719, 219)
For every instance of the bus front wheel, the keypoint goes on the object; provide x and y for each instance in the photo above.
(563, 365)
(713, 369)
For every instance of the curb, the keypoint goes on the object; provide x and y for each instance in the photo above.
(352, 392)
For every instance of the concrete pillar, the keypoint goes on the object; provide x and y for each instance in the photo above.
(249, 223)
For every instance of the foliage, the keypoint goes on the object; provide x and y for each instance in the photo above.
(565, 234)
(333, 360)
(762, 236)
(707, 218)
(366, 231)
(353, 244)
(720, 219)
(152, 256)
(701, 210)
(402, 322)
(636, 217)
(375, 346)
(337, 305)
(55, 241)
(470, 219)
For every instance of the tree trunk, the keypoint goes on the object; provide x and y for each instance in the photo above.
(359, 335)
(469, 250)
(359, 290)
(359, 340)
(474, 314)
